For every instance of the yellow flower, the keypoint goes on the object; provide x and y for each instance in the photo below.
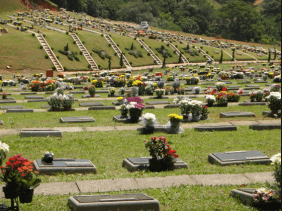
(120, 98)
(195, 75)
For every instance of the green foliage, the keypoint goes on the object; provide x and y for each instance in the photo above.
(102, 53)
(162, 50)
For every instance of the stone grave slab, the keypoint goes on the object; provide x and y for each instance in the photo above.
(252, 103)
(149, 107)
(1, 122)
(116, 96)
(227, 82)
(19, 90)
(28, 93)
(250, 85)
(269, 113)
(245, 195)
(89, 96)
(160, 102)
(239, 157)
(89, 104)
(40, 133)
(260, 82)
(49, 93)
(8, 101)
(6, 94)
(80, 119)
(20, 111)
(236, 114)
(102, 108)
(102, 91)
(210, 83)
(128, 202)
(251, 88)
(68, 166)
(37, 100)
(77, 92)
(156, 97)
(135, 164)
(32, 97)
(265, 126)
(216, 128)
(118, 118)
(11, 107)
(172, 106)
(116, 103)
(10, 98)
(46, 106)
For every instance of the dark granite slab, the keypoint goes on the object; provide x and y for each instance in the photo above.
(91, 104)
(102, 108)
(161, 102)
(216, 128)
(266, 126)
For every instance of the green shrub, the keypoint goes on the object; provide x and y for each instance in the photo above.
(176, 46)
(193, 46)
(80, 52)
(201, 47)
(99, 66)
(89, 66)
(148, 54)
(41, 47)
(67, 33)
(167, 45)
(33, 34)
(102, 35)
(135, 38)
(46, 56)
(142, 46)
(53, 68)
(130, 63)
(58, 57)
(116, 54)
(207, 52)
(74, 42)
(109, 45)
(83, 42)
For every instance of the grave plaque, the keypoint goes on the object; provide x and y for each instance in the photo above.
(236, 114)
(158, 97)
(172, 106)
(19, 111)
(116, 96)
(118, 118)
(81, 119)
(265, 126)
(91, 104)
(269, 113)
(77, 92)
(40, 133)
(28, 93)
(135, 164)
(89, 96)
(252, 103)
(239, 157)
(68, 166)
(33, 97)
(12, 107)
(116, 103)
(126, 202)
(216, 128)
(8, 101)
(102, 108)
(158, 102)
(102, 91)
(37, 100)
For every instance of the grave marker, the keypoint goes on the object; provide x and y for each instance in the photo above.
(216, 128)
(89, 96)
(102, 108)
(8, 101)
(90, 104)
(265, 126)
(40, 133)
(33, 97)
(236, 114)
(19, 111)
(81, 119)
(12, 107)
(158, 102)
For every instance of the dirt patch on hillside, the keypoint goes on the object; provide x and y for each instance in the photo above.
(258, 2)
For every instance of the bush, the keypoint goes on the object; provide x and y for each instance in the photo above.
(41, 47)
(58, 57)
(201, 47)
(33, 34)
(54, 68)
(174, 52)
(155, 62)
(65, 68)
(176, 46)
(117, 45)
(76, 58)
(212, 56)
(207, 52)
(134, 38)
(67, 33)
(52, 48)
(83, 42)
(148, 54)
(102, 35)
(109, 45)
(99, 66)
(80, 52)
(193, 46)
(130, 63)
(167, 45)
(89, 66)
(150, 47)
(116, 54)
(142, 46)
(74, 42)
(162, 40)
(46, 56)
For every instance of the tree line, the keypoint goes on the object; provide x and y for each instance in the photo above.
(236, 19)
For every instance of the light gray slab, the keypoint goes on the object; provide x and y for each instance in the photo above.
(91, 104)
(102, 108)
(172, 106)
(251, 86)
(19, 111)
(7, 101)
(158, 102)
(41, 133)
(11, 107)
(158, 97)
(216, 128)
(28, 93)
(102, 91)
(81, 119)
(33, 97)
(236, 114)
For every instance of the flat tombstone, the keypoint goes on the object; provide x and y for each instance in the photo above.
(156, 97)
(12, 107)
(158, 102)
(102, 91)
(236, 114)
(102, 108)
(77, 92)
(253, 86)
(149, 107)
(129, 202)
(135, 164)
(28, 93)
(252, 103)
(172, 106)
(89, 96)
(265, 126)
(91, 104)
(68, 166)
(33, 97)
(81, 119)
(216, 128)
(269, 113)
(37, 100)
(19, 111)
(239, 157)
(8, 101)
(41, 133)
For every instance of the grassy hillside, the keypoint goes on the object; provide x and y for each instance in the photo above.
(10, 5)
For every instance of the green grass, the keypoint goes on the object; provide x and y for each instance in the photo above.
(17, 48)
(211, 50)
(108, 149)
(10, 5)
(126, 42)
(95, 41)
(263, 57)
(181, 198)
(242, 57)
(195, 59)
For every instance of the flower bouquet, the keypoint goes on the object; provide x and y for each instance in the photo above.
(4, 96)
(112, 91)
(4, 149)
(221, 98)
(123, 111)
(185, 107)
(163, 157)
(174, 124)
(221, 86)
(135, 108)
(210, 99)
(92, 90)
(160, 92)
(196, 111)
(274, 100)
(150, 121)
(205, 112)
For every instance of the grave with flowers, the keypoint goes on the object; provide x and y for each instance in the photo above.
(265, 198)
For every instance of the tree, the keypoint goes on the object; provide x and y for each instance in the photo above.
(180, 57)
(233, 54)
(109, 63)
(275, 54)
(221, 57)
(164, 62)
(132, 47)
(269, 55)
(121, 61)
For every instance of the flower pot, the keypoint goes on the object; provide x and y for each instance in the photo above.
(197, 91)
(92, 95)
(160, 96)
(185, 117)
(174, 127)
(149, 129)
(26, 196)
(196, 118)
(48, 158)
(210, 104)
(67, 108)
(204, 117)
(134, 119)
(112, 94)
(259, 100)
(11, 192)
(167, 165)
(155, 164)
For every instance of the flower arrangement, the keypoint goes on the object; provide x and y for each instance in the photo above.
(149, 119)
(4, 149)
(197, 89)
(174, 118)
(4, 96)
(210, 91)
(170, 78)
(160, 92)
(274, 100)
(120, 99)
(60, 100)
(233, 97)
(220, 86)
(196, 108)
(274, 88)
(205, 112)
(185, 107)
(98, 83)
(48, 157)
(112, 91)
(92, 90)
(276, 161)
(221, 98)
(210, 99)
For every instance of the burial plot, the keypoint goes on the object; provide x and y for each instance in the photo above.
(19, 111)
(89, 96)
(81, 119)
(216, 128)
(77, 92)
(102, 91)
(40, 133)
(126, 202)
(156, 97)
(28, 93)
(135, 164)
(90, 104)
(265, 126)
(161, 102)
(33, 97)
(68, 166)
(102, 108)
(12, 107)
(251, 103)
(149, 107)
(252, 86)
(269, 113)
(8, 101)
(236, 114)
(239, 157)
(260, 82)
(37, 100)
(119, 118)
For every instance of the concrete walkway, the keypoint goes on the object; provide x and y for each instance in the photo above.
(122, 184)
(135, 127)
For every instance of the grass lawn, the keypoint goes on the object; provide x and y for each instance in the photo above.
(211, 50)
(182, 198)
(58, 41)
(126, 42)
(95, 41)
(21, 50)
(263, 57)
(157, 44)
(12, 5)
(242, 57)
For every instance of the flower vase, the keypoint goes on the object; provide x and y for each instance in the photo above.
(134, 119)
(160, 96)
(259, 100)
(92, 95)
(26, 195)
(204, 117)
(210, 104)
(196, 118)
(155, 164)
(197, 91)
(167, 165)
(185, 117)
(124, 115)
(11, 192)
(112, 94)
(48, 158)
(150, 129)
(174, 127)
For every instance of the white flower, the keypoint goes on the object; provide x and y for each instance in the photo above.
(261, 190)
(276, 158)
(4, 147)
(149, 116)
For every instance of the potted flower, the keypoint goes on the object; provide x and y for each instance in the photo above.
(210, 99)
(205, 112)
(259, 95)
(124, 111)
(264, 78)
(175, 85)
(112, 91)
(4, 149)
(67, 101)
(275, 88)
(135, 108)
(48, 157)
(222, 100)
(197, 89)
(163, 157)
(175, 121)
(160, 92)
(92, 90)
(274, 100)
(188, 81)
(221, 86)
(4, 96)
(196, 111)
(253, 96)
(122, 91)
(149, 120)
(54, 101)
(185, 107)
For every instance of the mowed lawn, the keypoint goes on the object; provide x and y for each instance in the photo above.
(126, 42)
(211, 52)
(22, 51)
(194, 58)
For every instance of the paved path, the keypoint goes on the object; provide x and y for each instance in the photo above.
(122, 184)
(135, 127)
